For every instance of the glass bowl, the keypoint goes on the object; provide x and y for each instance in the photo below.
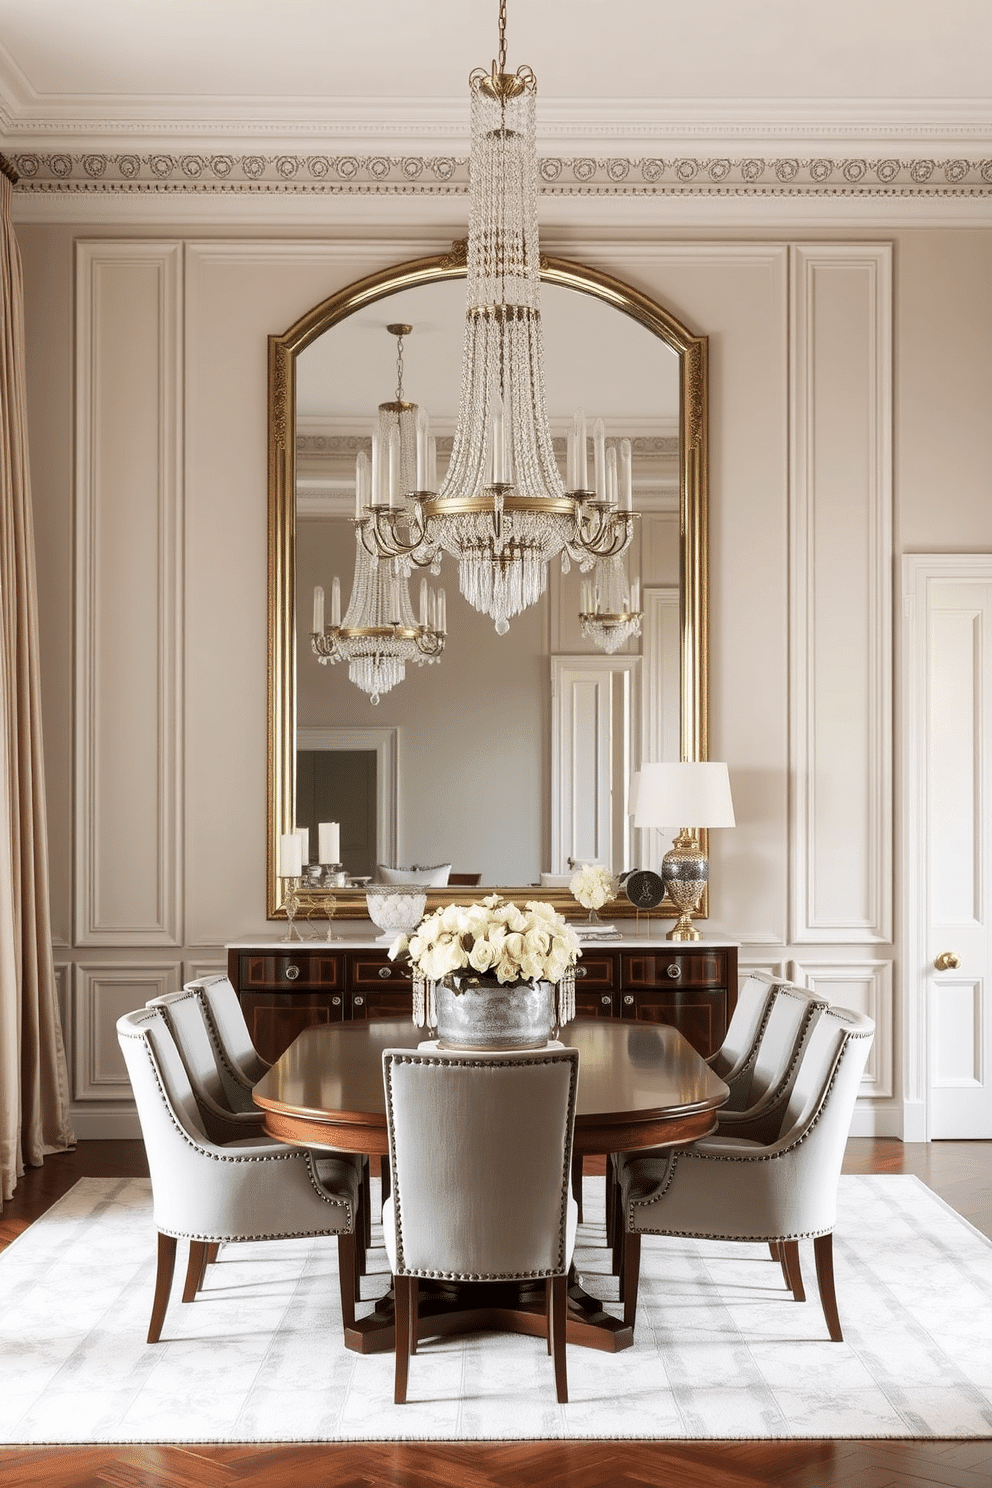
(395, 908)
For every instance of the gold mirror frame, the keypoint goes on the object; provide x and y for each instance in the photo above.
(693, 583)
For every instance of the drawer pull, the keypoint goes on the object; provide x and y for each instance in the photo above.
(628, 1000)
(385, 971)
(581, 971)
(674, 971)
(359, 1001)
(335, 1002)
(292, 972)
(606, 1000)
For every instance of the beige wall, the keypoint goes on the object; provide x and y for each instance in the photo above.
(156, 787)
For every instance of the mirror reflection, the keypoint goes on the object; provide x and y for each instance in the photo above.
(513, 753)
(474, 728)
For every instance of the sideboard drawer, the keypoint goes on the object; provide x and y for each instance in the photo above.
(595, 972)
(275, 1018)
(681, 968)
(292, 971)
(370, 970)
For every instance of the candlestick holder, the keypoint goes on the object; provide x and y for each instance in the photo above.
(330, 904)
(291, 904)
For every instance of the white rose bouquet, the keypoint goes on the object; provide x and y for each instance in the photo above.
(593, 886)
(491, 939)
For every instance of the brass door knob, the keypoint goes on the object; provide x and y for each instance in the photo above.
(947, 961)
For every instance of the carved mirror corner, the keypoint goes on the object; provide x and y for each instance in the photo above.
(292, 721)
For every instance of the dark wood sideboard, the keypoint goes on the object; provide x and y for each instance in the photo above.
(285, 988)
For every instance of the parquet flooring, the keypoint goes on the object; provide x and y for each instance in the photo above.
(961, 1172)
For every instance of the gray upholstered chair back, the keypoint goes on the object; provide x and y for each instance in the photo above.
(740, 1045)
(786, 1028)
(480, 1153)
(247, 1190)
(226, 1107)
(237, 1053)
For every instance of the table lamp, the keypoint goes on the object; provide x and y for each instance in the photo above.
(698, 793)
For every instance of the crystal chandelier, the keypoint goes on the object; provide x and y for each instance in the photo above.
(380, 634)
(503, 510)
(611, 606)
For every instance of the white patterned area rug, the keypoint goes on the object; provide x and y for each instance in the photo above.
(720, 1351)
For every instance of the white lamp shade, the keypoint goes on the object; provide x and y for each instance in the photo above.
(684, 795)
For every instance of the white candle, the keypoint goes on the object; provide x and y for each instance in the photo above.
(570, 462)
(290, 860)
(431, 463)
(422, 441)
(442, 618)
(611, 475)
(329, 842)
(626, 476)
(581, 453)
(423, 601)
(304, 835)
(318, 610)
(599, 458)
(635, 597)
(336, 601)
(375, 495)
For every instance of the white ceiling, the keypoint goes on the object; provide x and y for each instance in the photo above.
(293, 69)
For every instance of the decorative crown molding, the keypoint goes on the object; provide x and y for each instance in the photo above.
(87, 173)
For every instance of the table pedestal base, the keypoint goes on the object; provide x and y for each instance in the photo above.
(504, 1307)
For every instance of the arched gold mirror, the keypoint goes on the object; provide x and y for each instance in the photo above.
(327, 373)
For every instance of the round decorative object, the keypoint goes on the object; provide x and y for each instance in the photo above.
(397, 909)
(482, 1013)
(644, 889)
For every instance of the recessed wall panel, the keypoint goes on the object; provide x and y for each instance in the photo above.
(128, 595)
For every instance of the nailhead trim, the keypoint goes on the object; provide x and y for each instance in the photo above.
(757, 1155)
(566, 1176)
(289, 1155)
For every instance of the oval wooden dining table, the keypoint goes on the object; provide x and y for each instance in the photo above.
(640, 1085)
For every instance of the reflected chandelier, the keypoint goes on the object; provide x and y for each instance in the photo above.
(503, 510)
(380, 634)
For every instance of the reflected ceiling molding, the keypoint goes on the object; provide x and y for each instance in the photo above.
(94, 172)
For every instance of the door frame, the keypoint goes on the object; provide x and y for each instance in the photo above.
(919, 571)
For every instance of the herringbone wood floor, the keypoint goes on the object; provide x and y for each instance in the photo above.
(961, 1172)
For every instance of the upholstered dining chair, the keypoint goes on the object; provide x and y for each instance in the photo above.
(758, 1060)
(480, 1150)
(225, 1075)
(227, 1110)
(760, 1091)
(780, 1192)
(229, 1030)
(740, 1045)
(211, 1193)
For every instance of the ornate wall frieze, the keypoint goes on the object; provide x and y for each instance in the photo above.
(316, 174)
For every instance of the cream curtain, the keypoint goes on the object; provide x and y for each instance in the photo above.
(34, 1087)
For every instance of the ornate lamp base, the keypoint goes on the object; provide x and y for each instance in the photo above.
(685, 871)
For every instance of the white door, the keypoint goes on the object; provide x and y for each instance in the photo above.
(954, 781)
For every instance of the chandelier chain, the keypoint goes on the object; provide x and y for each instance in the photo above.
(502, 36)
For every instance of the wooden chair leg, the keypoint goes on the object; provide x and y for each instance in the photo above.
(347, 1268)
(789, 1250)
(367, 1206)
(213, 1251)
(384, 1176)
(196, 1268)
(165, 1266)
(577, 1181)
(773, 1250)
(402, 1286)
(557, 1290)
(414, 1314)
(631, 1275)
(611, 1198)
(823, 1253)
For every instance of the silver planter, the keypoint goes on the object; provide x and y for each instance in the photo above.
(481, 1013)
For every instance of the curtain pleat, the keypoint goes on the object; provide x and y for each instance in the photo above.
(34, 1086)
